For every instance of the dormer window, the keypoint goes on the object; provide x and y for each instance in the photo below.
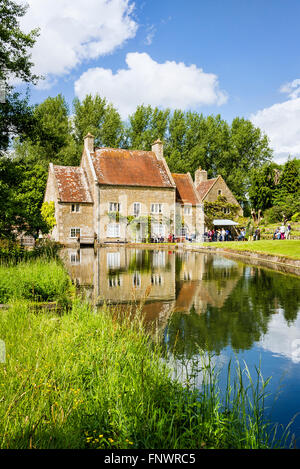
(75, 208)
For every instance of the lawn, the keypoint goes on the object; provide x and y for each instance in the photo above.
(284, 248)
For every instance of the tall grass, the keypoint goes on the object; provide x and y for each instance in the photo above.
(39, 280)
(86, 379)
(13, 252)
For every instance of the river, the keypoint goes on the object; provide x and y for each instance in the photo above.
(201, 301)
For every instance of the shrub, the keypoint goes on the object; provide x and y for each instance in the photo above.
(296, 217)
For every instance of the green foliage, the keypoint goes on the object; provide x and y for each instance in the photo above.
(101, 119)
(38, 280)
(15, 62)
(95, 380)
(13, 252)
(219, 209)
(146, 125)
(15, 55)
(296, 217)
(48, 214)
(276, 190)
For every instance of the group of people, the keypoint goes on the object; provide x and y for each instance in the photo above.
(284, 232)
(219, 235)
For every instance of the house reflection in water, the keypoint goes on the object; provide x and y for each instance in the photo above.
(164, 281)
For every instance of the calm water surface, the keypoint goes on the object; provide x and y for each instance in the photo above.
(210, 302)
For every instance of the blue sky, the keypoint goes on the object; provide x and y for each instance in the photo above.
(232, 57)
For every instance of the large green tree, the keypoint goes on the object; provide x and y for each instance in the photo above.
(15, 63)
(16, 116)
(146, 125)
(15, 45)
(101, 119)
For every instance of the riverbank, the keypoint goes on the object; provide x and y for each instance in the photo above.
(87, 378)
(280, 255)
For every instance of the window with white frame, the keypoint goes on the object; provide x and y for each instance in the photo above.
(156, 279)
(74, 232)
(156, 208)
(75, 257)
(114, 207)
(114, 281)
(113, 260)
(219, 192)
(136, 279)
(113, 230)
(187, 209)
(187, 276)
(159, 259)
(158, 229)
(136, 209)
(75, 208)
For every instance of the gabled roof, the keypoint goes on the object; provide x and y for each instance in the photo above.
(114, 166)
(185, 189)
(204, 187)
(72, 184)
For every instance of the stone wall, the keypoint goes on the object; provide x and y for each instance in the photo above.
(84, 219)
(220, 185)
(126, 197)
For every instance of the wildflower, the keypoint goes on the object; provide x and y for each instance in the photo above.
(110, 440)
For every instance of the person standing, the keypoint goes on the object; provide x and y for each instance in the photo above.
(282, 231)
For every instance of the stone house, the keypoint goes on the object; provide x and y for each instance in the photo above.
(210, 189)
(114, 195)
(189, 212)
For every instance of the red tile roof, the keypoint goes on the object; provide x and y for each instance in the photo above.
(129, 168)
(185, 189)
(204, 187)
(72, 184)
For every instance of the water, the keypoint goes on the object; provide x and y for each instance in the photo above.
(200, 301)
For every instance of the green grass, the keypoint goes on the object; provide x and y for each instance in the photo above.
(87, 378)
(38, 280)
(90, 379)
(285, 248)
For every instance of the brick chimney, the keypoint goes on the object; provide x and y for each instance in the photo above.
(158, 149)
(89, 142)
(200, 176)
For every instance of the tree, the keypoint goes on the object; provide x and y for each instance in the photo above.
(15, 45)
(15, 63)
(263, 185)
(50, 139)
(145, 126)
(101, 119)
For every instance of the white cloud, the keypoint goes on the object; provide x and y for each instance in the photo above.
(145, 81)
(74, 31)
(281, 122)
(292, 88)
(150, 35)
(282, 339)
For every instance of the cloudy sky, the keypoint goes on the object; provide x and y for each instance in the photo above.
(233, 57)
